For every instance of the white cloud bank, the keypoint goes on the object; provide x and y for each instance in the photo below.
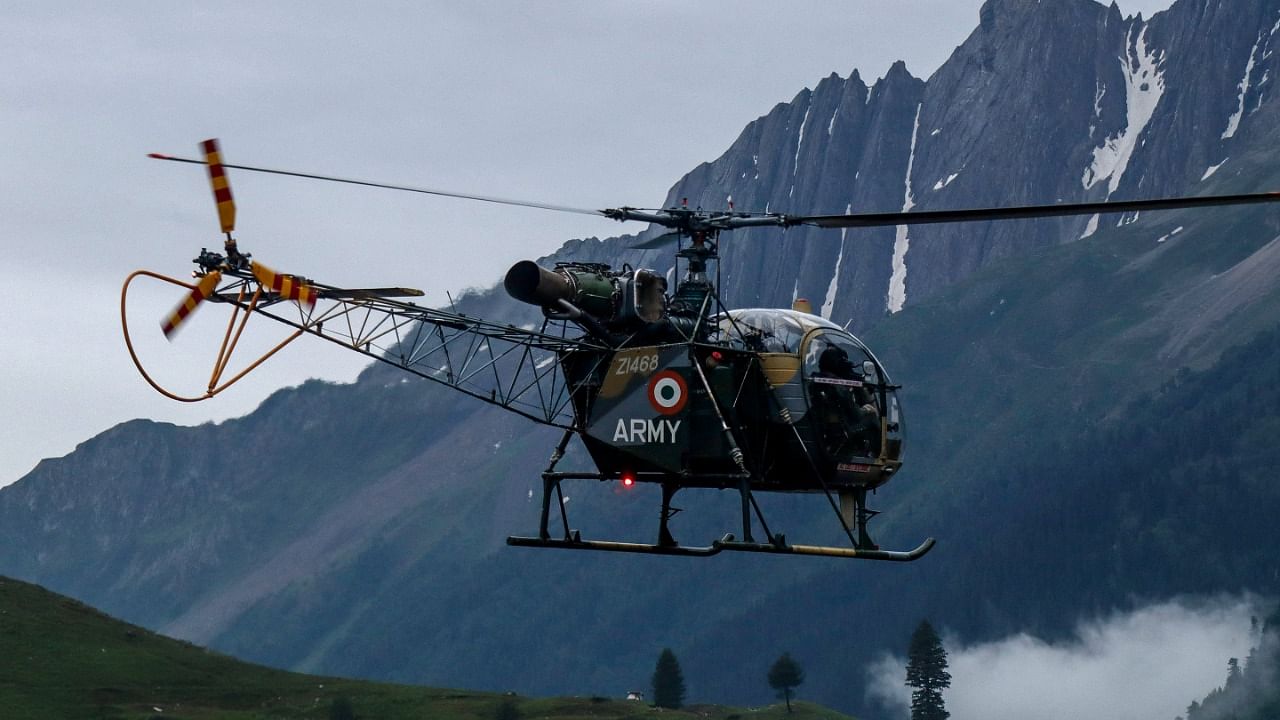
(1145, 665)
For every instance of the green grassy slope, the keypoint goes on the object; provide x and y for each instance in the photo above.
(60, 658)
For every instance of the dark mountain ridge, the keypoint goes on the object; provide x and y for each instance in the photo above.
(1044, 398)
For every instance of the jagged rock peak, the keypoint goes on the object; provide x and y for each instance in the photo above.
(898, 71)
(1005, 15)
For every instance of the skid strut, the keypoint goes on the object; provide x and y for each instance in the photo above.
(668, 512)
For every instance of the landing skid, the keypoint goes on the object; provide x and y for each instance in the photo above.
(627, 547)
(723, 544)
(828, 551)
(851, 511)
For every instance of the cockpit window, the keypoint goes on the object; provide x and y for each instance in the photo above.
(768, 330)
(843, 396)
(837, 355)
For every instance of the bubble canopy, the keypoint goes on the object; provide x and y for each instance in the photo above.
(842, 390)
(769, 329)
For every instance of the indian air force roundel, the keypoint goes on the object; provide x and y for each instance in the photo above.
(668, 392)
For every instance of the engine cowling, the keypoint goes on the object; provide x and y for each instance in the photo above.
(626, 297)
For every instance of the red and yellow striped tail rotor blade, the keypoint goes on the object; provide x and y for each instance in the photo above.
(221, 188)
(202, 290)
(288, 286)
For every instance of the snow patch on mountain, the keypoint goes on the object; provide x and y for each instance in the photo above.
(795, 165)
(898, 279)
(943, 183)
(829, 302)
(1233, 122)
(1099, 92)
(1144, 85)
(1213, 169)
(1091, 227)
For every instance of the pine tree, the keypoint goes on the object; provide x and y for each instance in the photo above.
(507, 710)
(668, 681)
(785, 675)
(927, 673)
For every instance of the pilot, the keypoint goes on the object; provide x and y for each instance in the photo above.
(834, 362)
(850, 406)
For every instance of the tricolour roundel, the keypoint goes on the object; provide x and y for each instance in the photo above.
(668, 392)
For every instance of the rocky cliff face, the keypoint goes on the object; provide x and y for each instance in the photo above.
(1044, 102)
(367, 538)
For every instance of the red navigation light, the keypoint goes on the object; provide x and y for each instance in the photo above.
(628, 478)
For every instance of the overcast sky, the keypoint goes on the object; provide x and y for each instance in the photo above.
(590, 104)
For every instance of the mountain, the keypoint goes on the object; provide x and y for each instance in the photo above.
(1044, 102)
(1090, 405)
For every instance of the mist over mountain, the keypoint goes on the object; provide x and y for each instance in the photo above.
(1091, 405)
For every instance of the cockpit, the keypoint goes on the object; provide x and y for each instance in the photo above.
(844, 402)
(827, 380)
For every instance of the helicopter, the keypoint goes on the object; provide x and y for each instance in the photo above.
(661, 385)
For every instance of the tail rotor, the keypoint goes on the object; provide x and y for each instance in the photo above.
(251, 285)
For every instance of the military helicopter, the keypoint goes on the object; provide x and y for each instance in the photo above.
(661, 385)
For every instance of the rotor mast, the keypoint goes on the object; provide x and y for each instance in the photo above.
(689, 298)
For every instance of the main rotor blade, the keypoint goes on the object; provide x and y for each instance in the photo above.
(388, 186)
(926, 217)
(366, 293)
(656, 242)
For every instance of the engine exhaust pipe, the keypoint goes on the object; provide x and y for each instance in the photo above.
(527, 282)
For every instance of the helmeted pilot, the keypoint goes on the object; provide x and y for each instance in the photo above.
(847, 407)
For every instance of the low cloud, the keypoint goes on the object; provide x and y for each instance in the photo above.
(1144, 665)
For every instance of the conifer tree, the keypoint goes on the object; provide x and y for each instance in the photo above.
(927, 673)
(507, 710)
(785, 675)
(668, 681)
(1233, 673)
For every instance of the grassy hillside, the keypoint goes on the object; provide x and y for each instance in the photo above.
(61, 658)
